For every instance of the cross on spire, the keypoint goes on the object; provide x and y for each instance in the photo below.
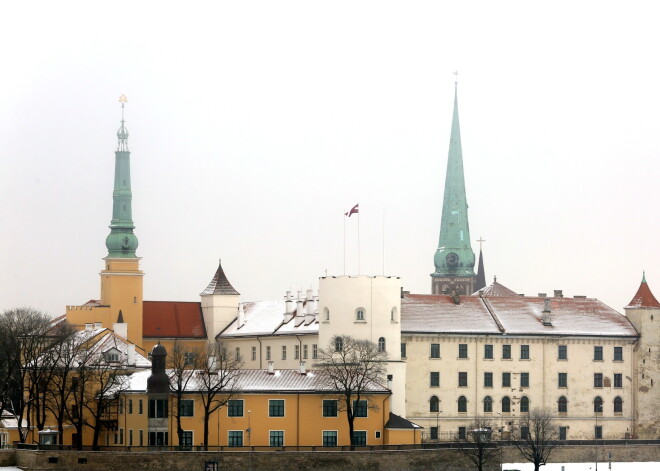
(481, 240)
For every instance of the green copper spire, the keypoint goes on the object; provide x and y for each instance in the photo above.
(121, 242)
(454, 256)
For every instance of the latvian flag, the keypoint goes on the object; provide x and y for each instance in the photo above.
(354, 210)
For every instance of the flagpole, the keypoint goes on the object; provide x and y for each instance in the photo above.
(383, 241)
(344, 219)
(358, 243)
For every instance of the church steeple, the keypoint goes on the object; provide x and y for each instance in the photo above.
(121, 242)
(454, 258)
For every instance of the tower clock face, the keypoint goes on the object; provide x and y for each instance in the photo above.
(452, 259)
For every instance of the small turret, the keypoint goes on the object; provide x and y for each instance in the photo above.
(158, 382)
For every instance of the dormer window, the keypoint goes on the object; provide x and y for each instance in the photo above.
(112, 355)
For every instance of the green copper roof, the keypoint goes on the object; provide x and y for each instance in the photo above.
(454, 256)
(121, 242)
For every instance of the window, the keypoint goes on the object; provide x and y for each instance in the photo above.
(296, 352)
(186, 408)
(434, 404)
(618, 380)
(315, 351)
(141, 437)
(562, 433)
(488, 352)
(618, 404)
(562, 404)
(329, 438)
(74, 383)
(506, 404)
(235, 438)
(403, 350)
(277, 438)
(378, 434)
(393, 314)
(618, 353)
(488, 380)
(524, 380)
(598, 432)
(562, 380)
(462, 404)
(462, 379)
(562, 352)
(140, 408)
(524, 432)
(488, 404)
(130, 437)
(506, 380)
(360, 437)
(435, 350)
(326, 314)
(283, 352)
(359, 314)
(381, 344)
(598, 380)
(598, 404)
(435, 379)
(329, 408)
(130, 406)
(235, 408)
(462, 350)
(158, 438)
(238, 354)
(187, 439)
(461, 433)
(360, 408)
(598, 353)
(268, 352)
(254, 353)
(305, 352)
(524, 404)
(189, 358)
(157, 408)
(434, 433)
(276, 408)
(506, 352)
(524, 352)
(339, 344)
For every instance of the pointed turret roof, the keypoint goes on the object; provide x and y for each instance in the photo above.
(497, 289)
(644, 297)
(480, 282)
(220, 284)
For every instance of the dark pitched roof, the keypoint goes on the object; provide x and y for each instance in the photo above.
(496, 289)
(170, 319)
(396, 421)
(643, 297)
(220, 284)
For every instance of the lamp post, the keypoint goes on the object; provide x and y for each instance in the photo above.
(598, 407)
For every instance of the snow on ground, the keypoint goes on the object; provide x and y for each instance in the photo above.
(649, 466)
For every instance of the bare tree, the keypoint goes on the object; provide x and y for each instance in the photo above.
(216, 383)
(479, 447)
(535, 437)
(183, 364)
(351, 367)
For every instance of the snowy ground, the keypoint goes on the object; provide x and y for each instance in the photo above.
(650, 466)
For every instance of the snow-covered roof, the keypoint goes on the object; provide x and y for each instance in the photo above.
(267, 318)
(426, 313)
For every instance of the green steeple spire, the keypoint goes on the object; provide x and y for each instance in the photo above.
(121, 242)
(454, 256)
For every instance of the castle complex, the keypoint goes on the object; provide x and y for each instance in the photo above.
(463, 351)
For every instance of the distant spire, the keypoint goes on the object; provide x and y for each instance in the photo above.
(120, 318)
(480, 282)
(643, 276)
(220, 284)
(643, 297)
(121, 242)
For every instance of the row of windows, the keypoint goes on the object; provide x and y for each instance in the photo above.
(434, 404)
(330, 408)
(339, 344)
(562, 404)
(360, 314)
(524, 432)
(599, 380)
(562, 352)
(488, 379)
(296, 352)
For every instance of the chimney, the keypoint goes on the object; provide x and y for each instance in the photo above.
(98, 325)
(309, 306)
(288, 303)
(89, 326)
(547, 320)
(300, 304)
(241, 315)
(303, 369)
(455, 297)
(312, 308)
(543, 295)
(131, 354)
(121, 329)
(559, 293)
(389, 382)
(271, 368)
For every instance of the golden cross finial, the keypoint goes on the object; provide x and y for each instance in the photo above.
(481, 240)
(123, 99)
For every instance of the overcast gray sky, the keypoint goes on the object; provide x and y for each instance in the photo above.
(255, 125)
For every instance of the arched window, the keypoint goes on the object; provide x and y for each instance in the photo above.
(488, 404)
(618, 404)
(598, 404)
(326, 314)
(506, 404)
(339, 344)
(381, 344)
(434, 404)
(524, 404)
(562, 404)
(359, 314)
(393, 314)
(462, 404)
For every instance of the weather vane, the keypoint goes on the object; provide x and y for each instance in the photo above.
(122, 100)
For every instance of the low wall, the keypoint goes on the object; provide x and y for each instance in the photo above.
(7, 457)
(412, 460)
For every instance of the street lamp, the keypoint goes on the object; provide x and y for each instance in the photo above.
(598, 407)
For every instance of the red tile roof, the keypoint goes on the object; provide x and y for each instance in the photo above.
(643, 297)
(171, 319)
